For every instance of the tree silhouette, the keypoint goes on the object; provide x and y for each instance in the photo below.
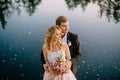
(111, 8)
(4, 10)
(7, 7)
(72, 4)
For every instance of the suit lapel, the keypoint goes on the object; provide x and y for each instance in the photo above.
(69, 42)
(68, 39)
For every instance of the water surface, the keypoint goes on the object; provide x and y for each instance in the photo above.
(24, 23)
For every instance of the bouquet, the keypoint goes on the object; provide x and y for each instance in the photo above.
(60, 66)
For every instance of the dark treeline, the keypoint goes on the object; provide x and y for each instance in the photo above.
(109, 8)
(7, 7)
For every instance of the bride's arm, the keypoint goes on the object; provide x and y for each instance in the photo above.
(46, 65)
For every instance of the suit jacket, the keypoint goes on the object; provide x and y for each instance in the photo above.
(74, 47)
(74, 50)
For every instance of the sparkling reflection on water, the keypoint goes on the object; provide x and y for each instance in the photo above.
(22, 31)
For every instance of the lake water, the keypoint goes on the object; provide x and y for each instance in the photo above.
(22, 31)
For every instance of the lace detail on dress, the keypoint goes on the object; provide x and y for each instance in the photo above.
(53, 55)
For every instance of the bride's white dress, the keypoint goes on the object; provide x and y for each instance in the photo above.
(66, 76)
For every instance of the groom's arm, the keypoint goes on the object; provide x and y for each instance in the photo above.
(42, 58)
(77, 53)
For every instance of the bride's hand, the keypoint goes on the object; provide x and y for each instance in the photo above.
(51, 71)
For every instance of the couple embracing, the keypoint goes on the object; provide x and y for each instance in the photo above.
(61, 51)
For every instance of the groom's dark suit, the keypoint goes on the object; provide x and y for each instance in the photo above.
(74, 50)
(74, 46)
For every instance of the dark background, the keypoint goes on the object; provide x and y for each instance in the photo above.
(24, 23)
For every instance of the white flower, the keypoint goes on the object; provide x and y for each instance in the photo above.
(69, 43)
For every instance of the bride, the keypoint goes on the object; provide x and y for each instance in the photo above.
(52, 49)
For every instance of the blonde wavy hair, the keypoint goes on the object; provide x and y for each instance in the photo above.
(48, 37)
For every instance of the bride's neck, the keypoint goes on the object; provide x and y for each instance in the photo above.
(54, 44)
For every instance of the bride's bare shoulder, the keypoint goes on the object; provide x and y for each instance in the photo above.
(44, 47)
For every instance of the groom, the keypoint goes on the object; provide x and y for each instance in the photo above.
(71, 39)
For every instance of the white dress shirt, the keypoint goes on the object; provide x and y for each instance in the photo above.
(64, 39)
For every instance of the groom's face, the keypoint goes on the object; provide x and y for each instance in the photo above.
(64, 27)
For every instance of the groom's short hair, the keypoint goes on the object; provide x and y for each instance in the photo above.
(61, 19)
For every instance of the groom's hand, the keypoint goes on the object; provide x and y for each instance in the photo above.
(46, 67)
(69, 63)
